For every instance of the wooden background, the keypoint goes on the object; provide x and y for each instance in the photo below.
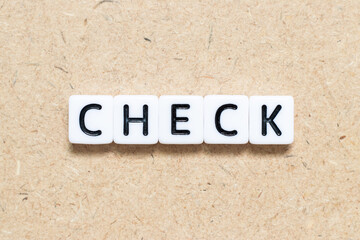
(51, 49)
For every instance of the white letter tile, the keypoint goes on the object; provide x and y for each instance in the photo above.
(271, 120)
(226, 119)
(91, 119)
(181, 119)
(136, 119)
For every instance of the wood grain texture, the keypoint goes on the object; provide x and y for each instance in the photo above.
(50, 189)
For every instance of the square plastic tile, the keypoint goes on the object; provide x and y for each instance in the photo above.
(226, 119)
(136, 119)
(91, 119)
(181, 119)
(271, 120)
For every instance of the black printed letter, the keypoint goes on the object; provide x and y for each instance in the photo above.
(270, 120)
(175, 119)
(217, 120)
(143, 120)
(82, 119)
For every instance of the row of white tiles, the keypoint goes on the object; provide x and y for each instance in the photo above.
(213, 119)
